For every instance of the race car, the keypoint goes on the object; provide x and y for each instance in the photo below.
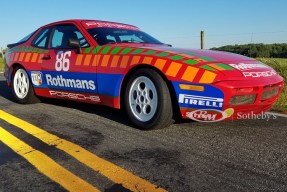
(120, 66)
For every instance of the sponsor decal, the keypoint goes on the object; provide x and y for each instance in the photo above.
(110, 25)
(75, 96)
(36, 77)
(210, 115)
(245, 66)
(260, 74)
(60, 81)
(208, 97)
(201, 101)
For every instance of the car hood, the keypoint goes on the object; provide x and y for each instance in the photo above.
(202, 66)
(232, 66)
(210, 55)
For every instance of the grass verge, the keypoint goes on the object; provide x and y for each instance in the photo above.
(280, 65)
(1, 65)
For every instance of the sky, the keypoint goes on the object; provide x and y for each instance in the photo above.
(176, 22)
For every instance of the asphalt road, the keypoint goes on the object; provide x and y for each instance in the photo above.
(243, 155)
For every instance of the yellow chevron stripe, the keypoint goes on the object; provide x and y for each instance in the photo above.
(34, 57)
(40, 60)
(135, 60)
(124, 61)
(87, 60)
(115, 61)
(207, 77)
(79, 59)
(147, 60)
(173, 69)
(28, 57)
(96, 60)
(16, 57)
(21, 56)
(160, 63)
(190, 73)
(105, 60)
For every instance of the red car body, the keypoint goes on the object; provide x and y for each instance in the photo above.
(203, 83)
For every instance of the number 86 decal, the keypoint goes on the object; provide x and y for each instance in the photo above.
(63, 61)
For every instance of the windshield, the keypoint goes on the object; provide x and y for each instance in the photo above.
(114, 35)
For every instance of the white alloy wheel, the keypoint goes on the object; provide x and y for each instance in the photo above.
(147, 100)
(21, 83)
(143, 99)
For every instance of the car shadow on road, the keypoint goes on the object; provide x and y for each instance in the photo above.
(106, 112)
(5, 91)
(117, 115)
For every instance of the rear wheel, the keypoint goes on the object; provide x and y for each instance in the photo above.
(22, 88)
(147, 100)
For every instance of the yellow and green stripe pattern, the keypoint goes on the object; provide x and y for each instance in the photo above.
(116, 59)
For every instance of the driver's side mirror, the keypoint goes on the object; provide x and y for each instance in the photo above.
(75, 44)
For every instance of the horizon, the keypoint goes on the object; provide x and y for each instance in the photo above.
(177, 23)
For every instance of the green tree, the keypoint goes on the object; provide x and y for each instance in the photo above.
(257, 50)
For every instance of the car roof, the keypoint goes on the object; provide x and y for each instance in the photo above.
(79, 21)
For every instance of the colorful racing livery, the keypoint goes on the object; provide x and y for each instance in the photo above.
(120, 66)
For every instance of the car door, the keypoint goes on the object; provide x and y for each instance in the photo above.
(59, 68)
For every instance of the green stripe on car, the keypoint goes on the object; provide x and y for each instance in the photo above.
(126, 51)
(190, 62)
(208, 68)
(224, 66)
(115, 50)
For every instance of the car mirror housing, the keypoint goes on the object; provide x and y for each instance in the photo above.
(75, 44)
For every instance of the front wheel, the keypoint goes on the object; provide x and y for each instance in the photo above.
(147, 100)
(21, 87)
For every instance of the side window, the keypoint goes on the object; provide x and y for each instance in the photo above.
(57, 39)
(62, 34)
(111, 39)
(83, 41)
(41, 40)
(130, 38)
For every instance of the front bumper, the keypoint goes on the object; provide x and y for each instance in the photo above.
(265, 93)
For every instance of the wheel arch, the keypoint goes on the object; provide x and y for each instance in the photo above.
(11, 71)
(176, 109)
(17, 65)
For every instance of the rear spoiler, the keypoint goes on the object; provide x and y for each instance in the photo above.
(13, 45)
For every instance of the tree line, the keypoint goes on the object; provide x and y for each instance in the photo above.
(257, 50)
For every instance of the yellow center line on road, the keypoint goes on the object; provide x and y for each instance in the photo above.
(45, 164)
(104, 167)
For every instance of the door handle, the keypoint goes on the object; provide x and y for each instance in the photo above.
(46, 57)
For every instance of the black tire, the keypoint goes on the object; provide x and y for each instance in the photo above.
(136, 102)
(30, 96)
